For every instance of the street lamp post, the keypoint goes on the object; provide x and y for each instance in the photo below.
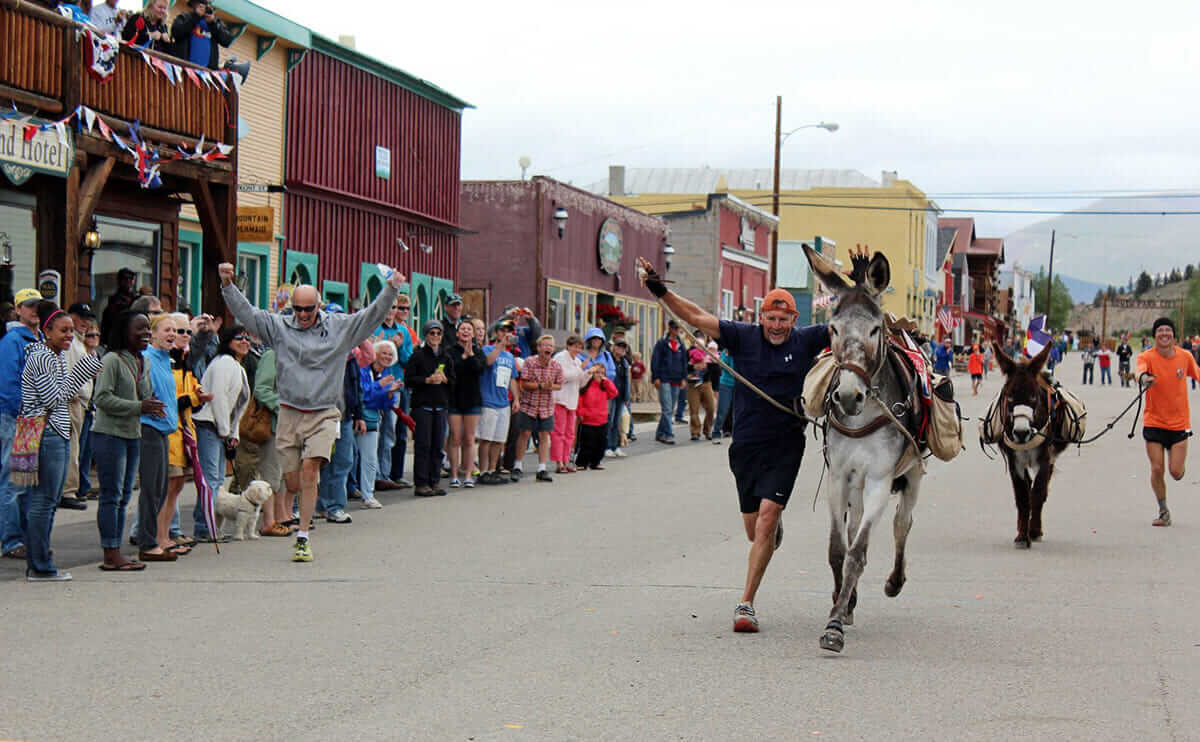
(780, 137)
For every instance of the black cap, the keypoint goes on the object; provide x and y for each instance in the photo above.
(1164, 321)
(126, 272)
(672, 323)
(453, 299)
(82, 309)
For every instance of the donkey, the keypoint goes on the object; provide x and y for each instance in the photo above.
(1029, 443)
(866, 441)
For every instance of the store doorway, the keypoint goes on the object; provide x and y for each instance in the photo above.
(125, 244)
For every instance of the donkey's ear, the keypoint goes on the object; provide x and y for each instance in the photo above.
(879, 274)
(1039, 361)
(826, 271)
(1005, 362)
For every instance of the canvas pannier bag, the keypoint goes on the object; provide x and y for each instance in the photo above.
(945, 428)
(1074, 425)
(816, 384)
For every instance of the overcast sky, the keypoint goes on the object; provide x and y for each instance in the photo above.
(1045, 96)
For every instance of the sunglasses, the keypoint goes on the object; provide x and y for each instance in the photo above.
(434, 332)
(404, 308)
(91, 334)
(183, 332)
(307, 310)
(245, 338)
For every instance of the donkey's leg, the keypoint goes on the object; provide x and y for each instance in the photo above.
(1041, 490)
(900, 528)
(875, 497)
(837, 534)
(1020, 484)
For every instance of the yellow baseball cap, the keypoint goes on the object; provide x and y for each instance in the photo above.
(27, 295)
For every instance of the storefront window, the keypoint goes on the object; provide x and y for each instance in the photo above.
(249, 272)
(125, 244)
(577, 318)
(18, 236)
(591, 312)
(553, 308)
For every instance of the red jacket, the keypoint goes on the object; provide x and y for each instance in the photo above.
(593, 402)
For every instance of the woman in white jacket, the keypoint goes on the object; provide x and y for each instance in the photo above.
(566, 401)
(217, 421)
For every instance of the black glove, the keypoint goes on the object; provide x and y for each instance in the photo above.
(654, 283)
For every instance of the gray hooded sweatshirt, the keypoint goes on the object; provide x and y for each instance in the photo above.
(310, 364)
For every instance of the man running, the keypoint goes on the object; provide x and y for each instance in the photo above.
(310, 351)
(768, 444)
(1166, 425)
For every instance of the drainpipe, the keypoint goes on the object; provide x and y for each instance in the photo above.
(539, 289)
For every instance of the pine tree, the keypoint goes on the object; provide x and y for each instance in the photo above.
(1144, 283)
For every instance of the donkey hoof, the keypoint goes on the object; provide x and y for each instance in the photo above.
(834, 639)
(893, 586)
(1021, 543)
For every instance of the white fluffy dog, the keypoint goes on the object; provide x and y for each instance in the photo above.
(243, 509)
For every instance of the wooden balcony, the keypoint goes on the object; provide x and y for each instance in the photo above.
(42, 70)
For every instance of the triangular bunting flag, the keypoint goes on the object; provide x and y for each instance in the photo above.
(89, 117)
(30, 132)
(220, 79)
(191, 73)
(61, 128)
(107, 132)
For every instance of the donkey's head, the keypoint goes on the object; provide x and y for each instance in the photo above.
(1025, 406)
(856, 330)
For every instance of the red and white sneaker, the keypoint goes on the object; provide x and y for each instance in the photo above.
(744, 620)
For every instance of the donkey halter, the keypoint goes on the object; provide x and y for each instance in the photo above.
(1040, 435)
(890, 414)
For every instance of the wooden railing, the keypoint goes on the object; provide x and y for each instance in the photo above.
(42, 65)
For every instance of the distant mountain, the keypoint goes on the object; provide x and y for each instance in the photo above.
(1081, 291)
(1112, 248)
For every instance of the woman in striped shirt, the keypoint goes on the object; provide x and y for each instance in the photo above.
(46, 388)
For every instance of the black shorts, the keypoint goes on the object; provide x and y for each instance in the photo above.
(765, 470)
(527, 422)
(1165, 437)
(976, 377)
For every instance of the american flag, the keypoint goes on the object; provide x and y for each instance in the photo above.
(918, 361)
(946, 319)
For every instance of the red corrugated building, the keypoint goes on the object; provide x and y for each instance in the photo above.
(561, 251)
(373, 158)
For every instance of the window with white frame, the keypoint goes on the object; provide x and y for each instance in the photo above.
(250, 267)
(726, 304)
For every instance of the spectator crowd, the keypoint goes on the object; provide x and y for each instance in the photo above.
(96, 407)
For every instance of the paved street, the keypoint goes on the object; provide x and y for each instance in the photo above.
(599, 607)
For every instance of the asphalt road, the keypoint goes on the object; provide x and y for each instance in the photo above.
(599, 607)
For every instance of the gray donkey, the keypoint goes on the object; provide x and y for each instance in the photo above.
(868, 445)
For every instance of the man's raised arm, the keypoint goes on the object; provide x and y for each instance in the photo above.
(687, 310)
(251, 317)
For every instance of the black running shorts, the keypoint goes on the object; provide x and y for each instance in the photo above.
(765, 470)
(1165, 437)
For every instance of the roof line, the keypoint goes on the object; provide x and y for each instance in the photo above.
(366, 63)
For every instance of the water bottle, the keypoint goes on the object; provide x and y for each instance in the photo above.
(385, 271)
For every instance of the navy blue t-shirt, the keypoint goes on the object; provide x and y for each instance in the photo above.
(778, 370)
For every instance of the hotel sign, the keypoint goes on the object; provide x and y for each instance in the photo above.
(43, 153)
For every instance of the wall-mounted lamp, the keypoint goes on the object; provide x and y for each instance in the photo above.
(668, 251)
(6, 256)
(91, 241)
(403, 246)
(560, 218)
(425, 248)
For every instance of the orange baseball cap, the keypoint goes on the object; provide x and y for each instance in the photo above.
(779, 300)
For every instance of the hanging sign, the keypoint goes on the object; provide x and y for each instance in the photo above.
(255, 224)
(27, 148)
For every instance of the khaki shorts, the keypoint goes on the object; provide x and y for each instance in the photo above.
(305, 435)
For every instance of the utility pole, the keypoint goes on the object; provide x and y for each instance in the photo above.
(1104, 319)
(1050, 283)
(774, 280)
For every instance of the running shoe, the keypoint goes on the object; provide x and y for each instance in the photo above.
(744, 620)
(338, 516)
(544, 476)
(610, 453)
(32, 576)
(619, 453)
(302, 552)
(370, 503)
(469, 483)
(1163, 519)
(515, 475)
(455, 484)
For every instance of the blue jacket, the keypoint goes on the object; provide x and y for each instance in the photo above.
(404, 348)
(375, 398)
(665, 366)
(351, 392)
(12, 365)
(605, 358)
(942, 358)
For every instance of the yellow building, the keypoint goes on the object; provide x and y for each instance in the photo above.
(843, 206)
(271, 44)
